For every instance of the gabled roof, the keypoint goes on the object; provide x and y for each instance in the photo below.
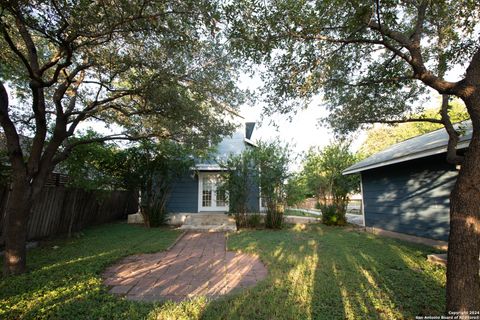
(428, 144)
(233, 144)
(249, 126)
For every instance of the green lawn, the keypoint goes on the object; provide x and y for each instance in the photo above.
(314, 273)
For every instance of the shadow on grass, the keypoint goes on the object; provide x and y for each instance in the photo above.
(329, 273)
(65, 283)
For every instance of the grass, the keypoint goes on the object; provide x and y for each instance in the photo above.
(290, 212)
(315, 272)
(65, 283)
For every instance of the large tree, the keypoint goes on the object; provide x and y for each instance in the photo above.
(323, 171)
(381, 136)
(152, 68)
(373, 61)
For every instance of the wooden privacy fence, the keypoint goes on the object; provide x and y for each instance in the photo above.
(61, 210)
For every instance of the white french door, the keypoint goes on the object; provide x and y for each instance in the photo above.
(212, 194)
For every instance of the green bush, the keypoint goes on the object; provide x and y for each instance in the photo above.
(333, 216)
(155, 214)
(245, 220)
(254, 220)
(274, 219)
(240, 220)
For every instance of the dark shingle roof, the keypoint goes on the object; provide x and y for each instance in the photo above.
(428, 144)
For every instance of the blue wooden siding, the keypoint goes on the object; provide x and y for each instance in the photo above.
(184, 195)
(253, 203)
(411, 197)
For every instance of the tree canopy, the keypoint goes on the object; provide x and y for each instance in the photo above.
(147, 69)
(382, 136)
(323, 169)
(378, 61)
(153, 68)
(371, 60)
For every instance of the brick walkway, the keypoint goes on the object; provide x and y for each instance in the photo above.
(198, 265)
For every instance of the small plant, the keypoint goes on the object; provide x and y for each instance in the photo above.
(332, 215)
(274, 220)
(241, 219)
(154, 214)
(254, 220)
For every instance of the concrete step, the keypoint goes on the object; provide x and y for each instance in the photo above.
(214, 222)
(438, 258)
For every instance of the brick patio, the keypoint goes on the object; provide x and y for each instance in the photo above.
(198, 265)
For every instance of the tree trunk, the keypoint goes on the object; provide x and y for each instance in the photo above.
(15, 228)
(463, 282)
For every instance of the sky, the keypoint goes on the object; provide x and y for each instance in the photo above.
(301, 130)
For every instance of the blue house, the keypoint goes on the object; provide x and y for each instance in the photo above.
(406, 187)
(202, 189)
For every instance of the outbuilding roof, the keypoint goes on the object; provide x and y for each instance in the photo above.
(425, 145)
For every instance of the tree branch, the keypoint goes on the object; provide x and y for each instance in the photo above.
(29, 44)
(453, 135)
(17, 51)
(69, 148)
(15, 153)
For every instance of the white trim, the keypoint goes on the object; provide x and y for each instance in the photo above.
(417, 155)
(260, 208)
(363, 202)
(208, 167)
(250, 142)
(201, 208)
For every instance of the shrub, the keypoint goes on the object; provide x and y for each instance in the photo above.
(240, 219)
(254, 220)
(274, 218)
(245, 220)
(154, 214)
(332, 215)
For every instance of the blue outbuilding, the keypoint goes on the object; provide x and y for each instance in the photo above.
(406, 187)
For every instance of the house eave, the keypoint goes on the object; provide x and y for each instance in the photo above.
(409, 157)
(250, 142)
(208, 167)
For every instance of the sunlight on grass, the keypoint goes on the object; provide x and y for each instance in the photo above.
(314, 272)
(65, 283)
(63, 264)
(179, 311)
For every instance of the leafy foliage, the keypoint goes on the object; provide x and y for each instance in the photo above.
(145, 69)
(240, 180)
(152, 168)
(296, 189)
(91, 166)
(382, 136)
(371, 61)
(272, 160)
(148, 166)
(332, 215)
(266, 167)
(377, 61)
(322, 170)
(137, 65)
